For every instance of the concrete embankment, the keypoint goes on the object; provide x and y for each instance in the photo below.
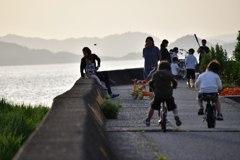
(73, 128)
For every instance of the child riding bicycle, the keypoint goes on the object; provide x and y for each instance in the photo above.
(209, 82)
(163, 83)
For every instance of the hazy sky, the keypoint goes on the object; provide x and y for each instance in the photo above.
(168, 19)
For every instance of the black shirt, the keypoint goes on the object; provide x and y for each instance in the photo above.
(83, 63)
(166, 55)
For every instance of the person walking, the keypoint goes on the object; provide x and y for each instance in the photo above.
(202, 50)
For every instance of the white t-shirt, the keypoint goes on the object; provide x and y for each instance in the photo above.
(174, 67)
(208, 82)
(191, 61)
(174, 54)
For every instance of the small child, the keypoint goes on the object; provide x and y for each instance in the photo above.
(163, 83)
(190, 62)
(175, 52)
(91, 71)
(209, 82)
(174, 67)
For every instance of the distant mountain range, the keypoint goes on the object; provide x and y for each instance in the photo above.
(18, 50)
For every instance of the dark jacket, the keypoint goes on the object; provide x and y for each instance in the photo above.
(165, 55)
(83, 63)
(163, 83)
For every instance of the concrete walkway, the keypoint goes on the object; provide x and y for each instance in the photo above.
(132, 140)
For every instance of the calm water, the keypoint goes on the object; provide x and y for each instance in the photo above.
(39, 84)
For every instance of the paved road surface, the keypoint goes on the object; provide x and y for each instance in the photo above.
(132, 140)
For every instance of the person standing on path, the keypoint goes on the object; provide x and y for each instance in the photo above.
(191, 62)
(103, 76)
(165, 55)
(202, 50)
(151, 55)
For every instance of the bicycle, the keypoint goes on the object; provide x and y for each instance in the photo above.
(210, 111)
(182, 72)
(182, 66)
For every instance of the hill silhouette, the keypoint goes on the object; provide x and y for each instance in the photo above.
(18, 50)
(114, 45)
(13, 54)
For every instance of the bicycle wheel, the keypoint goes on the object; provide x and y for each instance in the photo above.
(163, 121)
(211, 119)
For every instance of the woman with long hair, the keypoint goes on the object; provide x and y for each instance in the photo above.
(151, 55)
(165, 55)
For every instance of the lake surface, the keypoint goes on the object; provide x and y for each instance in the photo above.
(39, 84)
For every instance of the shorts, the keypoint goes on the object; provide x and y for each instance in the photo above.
(156, 103)
(190, 73)
(203, 96)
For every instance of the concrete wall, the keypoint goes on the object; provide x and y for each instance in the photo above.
(123, 77)
(73, 128)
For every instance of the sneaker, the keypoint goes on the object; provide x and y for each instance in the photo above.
(193, 86)
(114, 95)
(219, 117)
(200, 111)
(188, 86)
(146, 122)
(103, 87)
(178, 122)
(112, 82)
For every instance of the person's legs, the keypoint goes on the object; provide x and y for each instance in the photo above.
(189, 83)
(200, 103)
(154, 105)
(97, 79)
(150, 114)
(193, 77)
(218, 108)
(171, 105)
(188, 77)
(103, 76)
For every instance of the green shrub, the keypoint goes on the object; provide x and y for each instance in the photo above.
(236, 52)
(231, 74)
(230, 67)
(227, 86)
(110, 110)
(215, 53)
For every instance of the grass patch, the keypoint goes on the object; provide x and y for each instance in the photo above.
(17, 122)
